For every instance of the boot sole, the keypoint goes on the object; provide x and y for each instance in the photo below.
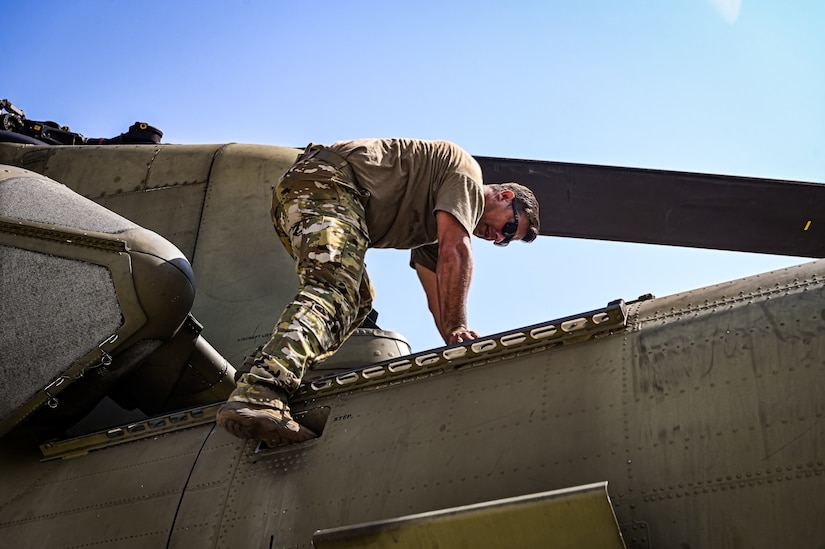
(266, 424)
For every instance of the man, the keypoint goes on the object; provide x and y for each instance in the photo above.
(328, 208)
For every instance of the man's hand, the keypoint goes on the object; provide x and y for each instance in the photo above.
(460, 335)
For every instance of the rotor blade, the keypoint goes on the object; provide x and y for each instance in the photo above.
(673, 208)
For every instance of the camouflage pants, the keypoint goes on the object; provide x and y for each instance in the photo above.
(318, 214)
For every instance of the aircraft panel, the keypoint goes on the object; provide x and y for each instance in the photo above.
(122, 179)
(740, 512)
(563, 519)
(97, 171)
(83, 169)
(19, 463)
(234, 293)
(723, 412)
(124, 496)
(199, 522)
(173, 212)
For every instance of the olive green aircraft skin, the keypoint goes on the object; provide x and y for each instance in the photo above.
(702, 411)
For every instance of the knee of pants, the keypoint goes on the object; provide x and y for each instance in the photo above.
(366, 295)
(333, 258)
(330, 315)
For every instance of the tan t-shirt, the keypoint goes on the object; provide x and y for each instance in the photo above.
(408, 181)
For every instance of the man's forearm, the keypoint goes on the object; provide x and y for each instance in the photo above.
(454, 272)
(429, 282)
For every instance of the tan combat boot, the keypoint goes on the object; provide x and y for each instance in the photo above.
(260, 412)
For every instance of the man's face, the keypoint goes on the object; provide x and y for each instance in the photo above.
(500, 221)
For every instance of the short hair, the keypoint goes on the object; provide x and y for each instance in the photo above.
(526, 204)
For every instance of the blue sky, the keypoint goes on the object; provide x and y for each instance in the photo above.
(717, 86)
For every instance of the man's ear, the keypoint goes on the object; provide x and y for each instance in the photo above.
(506, 194)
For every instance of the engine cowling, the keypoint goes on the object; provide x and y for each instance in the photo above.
(85, 297)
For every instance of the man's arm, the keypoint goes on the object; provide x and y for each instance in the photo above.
(453, 274)
(430, 284)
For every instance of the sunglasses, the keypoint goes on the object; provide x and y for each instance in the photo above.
(510, 228)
